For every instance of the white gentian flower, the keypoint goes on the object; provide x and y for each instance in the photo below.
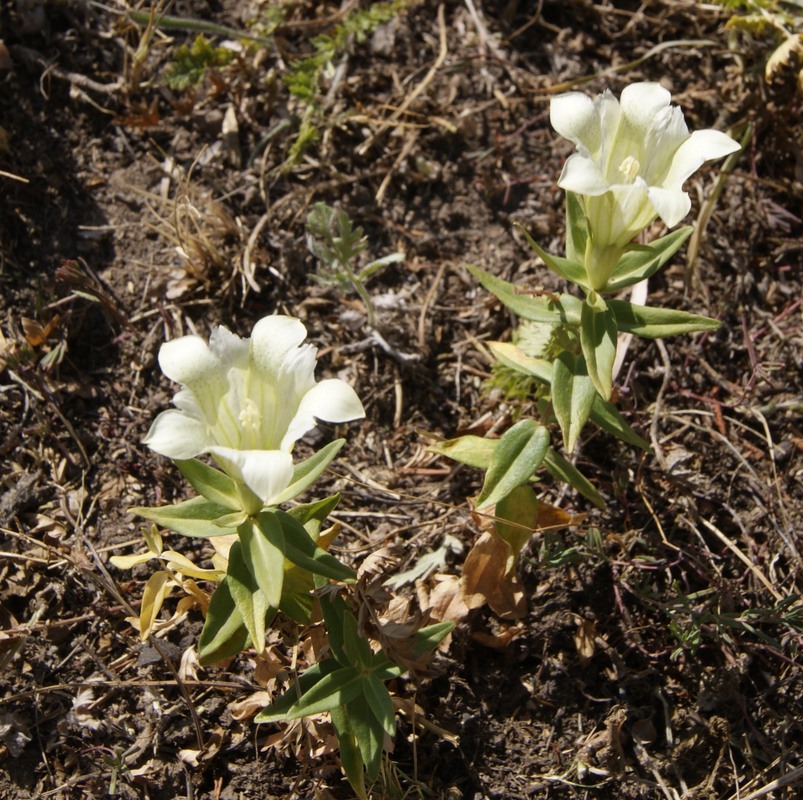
(247, 401)
(631, 162)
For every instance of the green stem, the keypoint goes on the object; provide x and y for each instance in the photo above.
(202, 26)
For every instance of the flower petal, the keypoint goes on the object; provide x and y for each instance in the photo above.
(701, 146)
(575, 116)
(331, 400)
(229, 348)
(266, 473)
(643, 102)
(176, 435)
(671, 204)
(581, 175)
(272, 339)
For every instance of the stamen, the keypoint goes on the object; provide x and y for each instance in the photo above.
(629, 169)
(250, 418)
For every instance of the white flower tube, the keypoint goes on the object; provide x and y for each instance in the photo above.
(247, 401)
(632, 160)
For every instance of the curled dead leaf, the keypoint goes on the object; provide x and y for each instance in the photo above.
(489, 576)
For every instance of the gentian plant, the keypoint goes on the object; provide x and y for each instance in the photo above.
(632, 159)
(245, 403)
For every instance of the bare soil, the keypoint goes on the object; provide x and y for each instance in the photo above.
(660, 655)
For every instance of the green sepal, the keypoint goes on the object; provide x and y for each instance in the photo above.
(277, 710)
(308, 471)
(576, 228)
(224, 634)
(573, 395)
(572, 271)
(520, 451)
(657, 323)
(643, 260)
(263, 549)
(301, 550)
(196, 517)
(214, 485)
(562, 469)
(249, 599)
(598, 333)
(532, 308)
(350, 756)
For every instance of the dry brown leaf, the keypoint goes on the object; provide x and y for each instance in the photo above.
(552, 518)
(245, 709)
(188, 669)
(489, 577)
(498, 641)
(445, 601)
(584, 639)
(788, 55)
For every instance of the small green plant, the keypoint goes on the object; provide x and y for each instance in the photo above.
(336, 243)
(245, 403)
(632, 158)
(191, 63)
(304, 79)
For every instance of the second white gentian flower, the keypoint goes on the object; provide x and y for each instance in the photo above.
(246, 402)
(632, 160)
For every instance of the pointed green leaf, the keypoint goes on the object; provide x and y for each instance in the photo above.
(572, 271)
(598, 339)
(307, 472)
(302, 551)
(296, 605)
(334, 610)
(356, 648)
(537, 309)
(263, 553)
(214, 485)
(277, 710)
(332, 690)
(576, 228)
(313, 515)
(572, 396)
(382, 668)
(428, 638)
(350, 756)
(380, 703)
(369, 733)
(642, 261)
(516, 516)
(472, 450)
(224, 634)
(607, 416)
(519, 453)
(515, 358)
(656, 323)
(563, 470)
(249, 599)
(195, 517)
